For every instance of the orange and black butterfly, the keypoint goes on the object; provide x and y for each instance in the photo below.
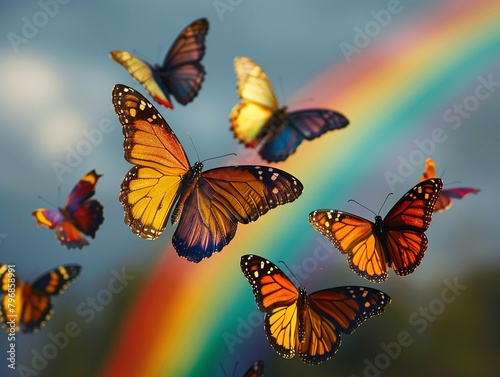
(258, 120)
(210, 204)
(181, 73)
(445, 200)
(80, 216)
(309, 325)
(397, 241)
(28, 306)
(256, 370)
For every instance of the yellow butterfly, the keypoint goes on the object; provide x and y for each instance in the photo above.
(259, 120)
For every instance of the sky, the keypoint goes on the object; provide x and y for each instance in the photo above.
(415, 79)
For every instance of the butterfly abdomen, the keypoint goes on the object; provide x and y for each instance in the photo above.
(276, 123)
(302, 304)
(187, 186)
(380, 232)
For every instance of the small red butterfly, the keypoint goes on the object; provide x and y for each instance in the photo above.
(307, 324)
(31, 306)
(397, 241)
(80, 216)
(445, 199)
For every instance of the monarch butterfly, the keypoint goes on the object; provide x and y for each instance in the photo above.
(180, 75)
(397, 241)
(445, 199)
(78, 216)
(258, 119)
(210, 204)
(256, 370)
(29, 307)
(307, 324)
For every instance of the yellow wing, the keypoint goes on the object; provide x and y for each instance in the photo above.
(150, 188)
(258, 102)
(143, 73)
(354, 236)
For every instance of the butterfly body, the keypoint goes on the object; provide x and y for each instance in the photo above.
(181, 73)
(397, 241)
(79, 217)
(33, 307)
(309, 325)
(259, 121)
(210, 203)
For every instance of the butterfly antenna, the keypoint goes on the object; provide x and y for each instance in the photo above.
(194, 146)
(288, 268)
(224, 155)
(359, 204)
(282, 89)
(308, 99)
(387, 197)
(46, 201)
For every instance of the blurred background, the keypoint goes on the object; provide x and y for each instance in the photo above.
(416, 80)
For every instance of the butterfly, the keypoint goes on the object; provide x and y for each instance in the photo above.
(309, 325)
(181, 73)
(27, 306)
(80, 216)
(256, 370)
(259, 120)
(397, 241)
(445, 199)
(210, 204)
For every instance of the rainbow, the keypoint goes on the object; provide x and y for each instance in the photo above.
(165, 332)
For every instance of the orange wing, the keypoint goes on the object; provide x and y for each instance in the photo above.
(309, 325)
(32, 306)
(445, 199)
(354, 236)
(150, 188)
(397, 241)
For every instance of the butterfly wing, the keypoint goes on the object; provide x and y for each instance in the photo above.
(445, 199)
(277, 297)
(182, 73)
(145, 74)
(256, 370)
(258, 102)
(37, 304)
(354, 236)
(405, 224)
(85, 214)
(79, 216)
(150, 188)
(300, 125)
(224, 197)
(11, 288)
(333, 311)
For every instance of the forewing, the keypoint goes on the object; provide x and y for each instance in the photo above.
(222, 198)
(333, 311)
(354, 236)
(406, 223)
(149, 189)
(276, 296)
(145, 74)
(182, 72)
